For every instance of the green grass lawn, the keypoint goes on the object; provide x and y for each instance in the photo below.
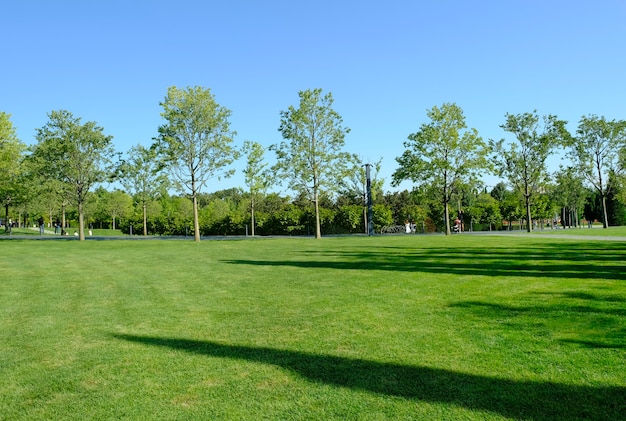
(471, 327)
(596, 231)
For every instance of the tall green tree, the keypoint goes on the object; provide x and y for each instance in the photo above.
(195, 141)
(311, 157)
(570, 193)
(615, 206)
(543, 206)
(48, 201)
(63, 195)
(11, 158)
(523, 162)
(400, 203)
(499, 191)
(175, 217)
(118, 204)
(597, 152)
(444, 154)
(485, 210)
(466, 196)
(257, 175)
(78, 154)
(142, 176)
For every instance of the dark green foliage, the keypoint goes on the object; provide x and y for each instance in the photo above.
(616, 210)
(349, 219)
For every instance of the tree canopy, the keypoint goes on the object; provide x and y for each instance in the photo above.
(141, 176)
(11, 153)
(444, 154)
(443, 158)
(311, 157)
(257, 175)
(195, 141)
(523, 162)
(598, 151)
(80, 155)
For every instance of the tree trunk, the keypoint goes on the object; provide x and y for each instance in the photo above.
(529, 224)
(252, 218)
(63, 219)
(145, 219)
(602, 191)
(446, 215)
(318, 228)
(81, 222)
(605, 218)
(196, 223)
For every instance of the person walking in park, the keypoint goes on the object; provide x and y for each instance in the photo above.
(457, 226)
(41, 225)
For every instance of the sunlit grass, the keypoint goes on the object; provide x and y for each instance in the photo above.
(406, 327)
(596, 231)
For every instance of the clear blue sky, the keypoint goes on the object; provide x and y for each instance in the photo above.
(385, 63)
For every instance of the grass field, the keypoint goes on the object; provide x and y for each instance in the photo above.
(596, 231)
(470, 327)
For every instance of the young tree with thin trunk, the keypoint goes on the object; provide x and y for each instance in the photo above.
(195, 141)
(311, 158)
(79, 155)
(598, 151)
(142, 176)
(523, 162)
(443, 154)
(118, 204)
(257, 176)
(569, 192)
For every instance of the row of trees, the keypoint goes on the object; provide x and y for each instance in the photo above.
(445, 154)
(229, 211)
(195, 144)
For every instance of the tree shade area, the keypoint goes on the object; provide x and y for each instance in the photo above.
(59, 184)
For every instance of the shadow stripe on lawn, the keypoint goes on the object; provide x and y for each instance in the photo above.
(510, 398)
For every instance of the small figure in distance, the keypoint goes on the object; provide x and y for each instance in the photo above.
(457, 226)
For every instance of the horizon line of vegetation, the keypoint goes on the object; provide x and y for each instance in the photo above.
(443, 158)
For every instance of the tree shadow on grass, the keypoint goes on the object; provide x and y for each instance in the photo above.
(581, 251)
(547, 260)
(595, 325)
(528, 400)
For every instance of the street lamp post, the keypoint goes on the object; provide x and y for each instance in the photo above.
(370, 208)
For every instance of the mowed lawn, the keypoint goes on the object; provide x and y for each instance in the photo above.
(471, 327)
